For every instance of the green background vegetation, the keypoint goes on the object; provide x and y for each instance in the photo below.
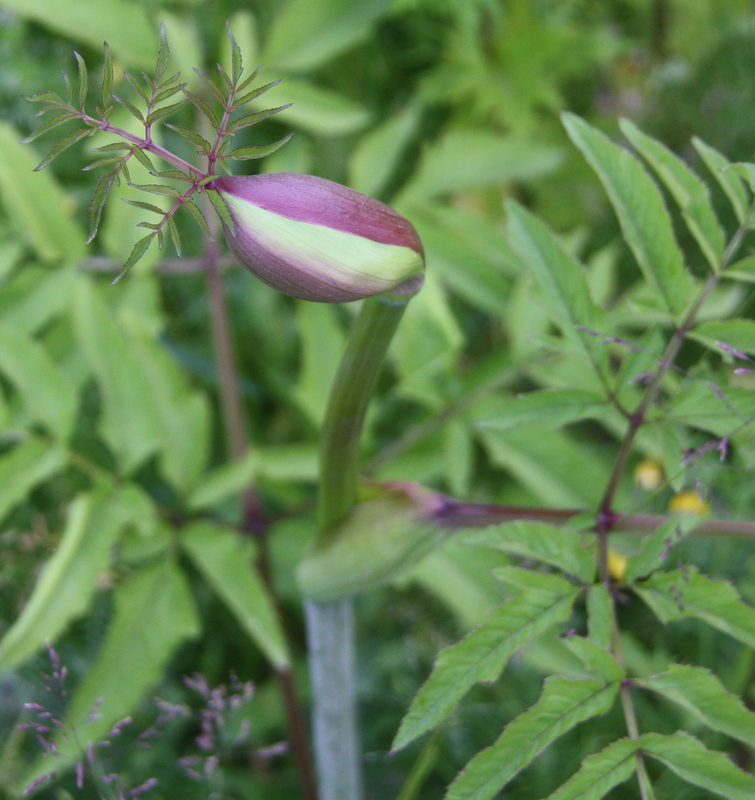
(112, 432)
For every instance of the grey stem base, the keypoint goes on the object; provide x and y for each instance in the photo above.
(338, 757)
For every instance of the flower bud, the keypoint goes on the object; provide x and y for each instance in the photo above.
(379, 539)
(317, 240)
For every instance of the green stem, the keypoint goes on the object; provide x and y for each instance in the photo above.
(330, 626)
(351, 392)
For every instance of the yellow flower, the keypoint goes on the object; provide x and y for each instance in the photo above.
(648, 474)
(617, 565)
(690, 502)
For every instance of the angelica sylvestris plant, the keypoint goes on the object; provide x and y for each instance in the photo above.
(659, 369)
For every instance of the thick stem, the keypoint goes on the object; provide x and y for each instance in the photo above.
(351, 392)
(330, 626)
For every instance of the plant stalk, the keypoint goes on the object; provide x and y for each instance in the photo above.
(330, 626)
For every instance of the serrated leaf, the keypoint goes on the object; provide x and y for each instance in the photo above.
(684, 593)
(83, 81)
(597, 660)
(63, 144)
(69, 578)
(254, 94)
(164, 111)
(551, 407)
(562, 281)
(729, 181)
(562, 705)
(157, 188)
(99, 198)
(711, 408)
(237, 64)
(174, 235)
(694, 763)
(482, 655)
(198, 217)
(139, 249)
(698, 690)
(254, 118)
(687, 189)
(728, 335)
(227, 562)
(638, 203)
(48, 125)
(203, 107)
(559, 546)
(655, 548)
(247, 153)
(107, 76)
(27, 464)
(136, 86)
(142, 157)
(163, 53)
(222, 209)
(599, 614)
(210, 84)
(600, 772)
(130, 107)
(141, 204)
(192, 136)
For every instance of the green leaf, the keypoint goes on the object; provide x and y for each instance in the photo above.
(63, 144)
(107, 78)
(600, 772)
(655, 548)
(711, 408)
(378, 153)
(183, 413)
(559, 546)
(728, 180)
(201, 143)
(471, 255)
(599, 615)
(562, 281)
(596, 659)
(552, 465)
(27, 464)
(227, 561)
(687, 189)
(314, 108)
(130, 422)
(694, 763)
(701, 692)
(35, 203)
(225, 481)
(154, 614)
(731, 333)
(83, 81)
(222, 209)
(203, 107)
(482, 654)
(138, 251)
(742, 270)
(69, 578)
(48, 395)
(562, 705)
(126, 27)
(553, 408)
(49, 125)
(248, 153)
(466, 159)
(684, 593)
(254, 117)
(306, 34)
(42, 295)
(639, 206)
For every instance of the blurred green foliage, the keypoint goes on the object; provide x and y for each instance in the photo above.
(119, 498)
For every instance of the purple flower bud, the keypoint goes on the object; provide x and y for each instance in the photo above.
(317, 240)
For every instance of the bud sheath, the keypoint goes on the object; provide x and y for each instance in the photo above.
(317, 240)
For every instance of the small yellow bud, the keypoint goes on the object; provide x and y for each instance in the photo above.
(617, 565)
(648, 474)
(689, 502)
